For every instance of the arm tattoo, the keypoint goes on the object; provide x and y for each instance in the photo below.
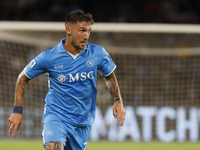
(22, 81)
(54, 146)
(113, 87)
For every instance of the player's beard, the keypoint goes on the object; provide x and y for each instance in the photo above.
(77, 45)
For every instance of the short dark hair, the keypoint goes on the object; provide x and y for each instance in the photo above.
(78, 15)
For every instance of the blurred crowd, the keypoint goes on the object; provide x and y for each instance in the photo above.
(141, 11)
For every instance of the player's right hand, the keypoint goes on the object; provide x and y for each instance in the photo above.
(14, 122)
(119, 112)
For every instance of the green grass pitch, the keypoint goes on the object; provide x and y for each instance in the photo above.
(11, 144)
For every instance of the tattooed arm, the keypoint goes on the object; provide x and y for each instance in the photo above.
(15, 119)
(54, 146)
(113, 87)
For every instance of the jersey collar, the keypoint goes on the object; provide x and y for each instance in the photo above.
(61, 48)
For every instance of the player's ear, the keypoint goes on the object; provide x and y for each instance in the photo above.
(68, 30)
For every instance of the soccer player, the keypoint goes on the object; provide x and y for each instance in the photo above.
(71, 71)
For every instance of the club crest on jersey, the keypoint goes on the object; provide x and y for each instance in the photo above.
(49, 132)
(90, 63)
(61, 78)
(32, 64)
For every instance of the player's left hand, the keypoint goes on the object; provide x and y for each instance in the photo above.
(119, 112)
(14, 122)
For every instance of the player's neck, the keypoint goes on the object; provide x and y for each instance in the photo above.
(71, 49)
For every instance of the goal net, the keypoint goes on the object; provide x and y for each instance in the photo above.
(158, 70)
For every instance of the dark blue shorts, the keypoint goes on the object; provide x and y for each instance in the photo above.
(73, 137)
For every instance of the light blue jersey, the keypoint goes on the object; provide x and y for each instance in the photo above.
(72, 80)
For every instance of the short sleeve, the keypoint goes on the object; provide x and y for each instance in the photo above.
(36, 67)
(107, 65)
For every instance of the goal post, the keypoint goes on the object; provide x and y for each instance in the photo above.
(158, 69)
(103, 27)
